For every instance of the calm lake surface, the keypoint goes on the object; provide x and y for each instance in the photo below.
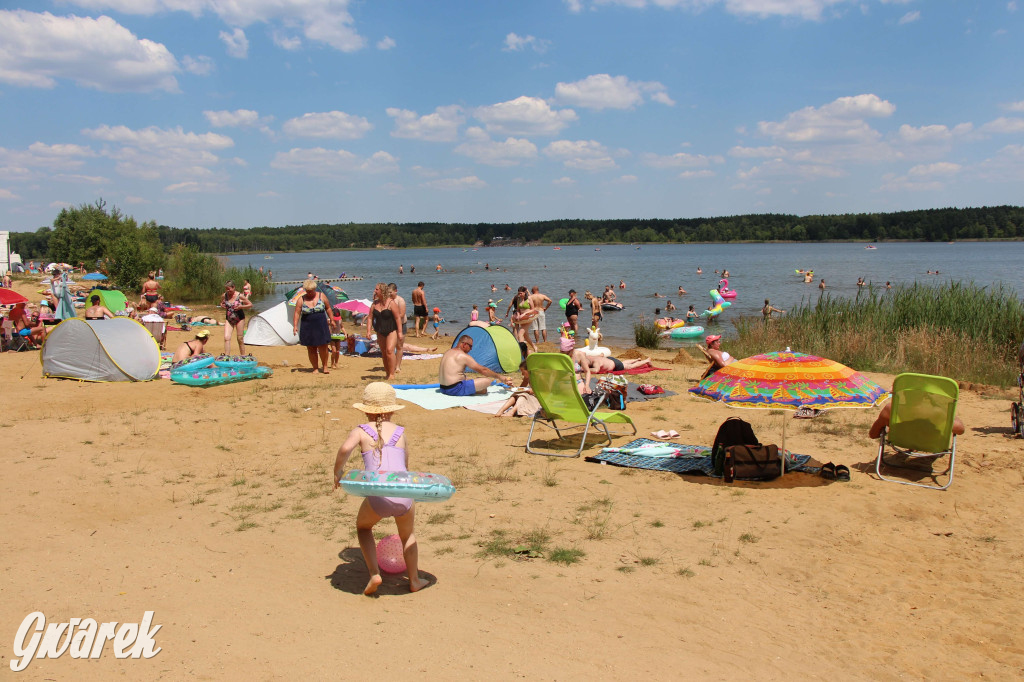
(757, 271)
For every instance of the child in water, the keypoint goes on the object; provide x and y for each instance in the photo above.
(382, 445)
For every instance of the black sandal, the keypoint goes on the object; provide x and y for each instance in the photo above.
(842, 472)
(828, 471)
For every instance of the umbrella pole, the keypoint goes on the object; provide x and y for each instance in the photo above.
(784, 420)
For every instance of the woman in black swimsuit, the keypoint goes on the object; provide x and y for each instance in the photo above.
(235, 303)
(312, 326)
(97, 311)
(382, 321)
(572, 311)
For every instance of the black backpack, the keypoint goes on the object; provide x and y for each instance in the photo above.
(733, 431)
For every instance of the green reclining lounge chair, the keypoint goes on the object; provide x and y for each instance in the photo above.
(554, 384)
(920, 425)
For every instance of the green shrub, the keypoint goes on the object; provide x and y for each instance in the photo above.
(191, 276)
(645, 333)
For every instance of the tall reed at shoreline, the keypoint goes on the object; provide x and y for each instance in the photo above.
(194, 277)
(963, 331)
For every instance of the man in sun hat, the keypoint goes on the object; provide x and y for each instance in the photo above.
(453, 371)
(193, 347)
(720, 357)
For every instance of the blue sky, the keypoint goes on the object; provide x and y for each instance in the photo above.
(237, 113)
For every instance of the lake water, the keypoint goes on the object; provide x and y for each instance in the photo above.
(757, 271)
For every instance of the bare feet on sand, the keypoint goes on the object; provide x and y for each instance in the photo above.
(375, 581)
(417, 584)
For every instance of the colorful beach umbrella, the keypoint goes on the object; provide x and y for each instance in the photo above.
(784, 380)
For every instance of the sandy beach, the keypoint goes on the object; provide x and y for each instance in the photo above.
(214, 508)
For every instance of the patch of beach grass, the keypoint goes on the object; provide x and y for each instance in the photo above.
(566, 555)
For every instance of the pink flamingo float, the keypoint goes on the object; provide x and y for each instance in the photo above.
(723, 288)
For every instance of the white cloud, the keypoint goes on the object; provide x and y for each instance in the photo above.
(1011, 6)
(239, 118)
(687, 175)
(563, 181)
(1015, 106)
(840, 120)
(456, 184)
(286, 41)
(932, 133)
(440, 126)
(325, 21)
(680, 160)
(626, 180)
(602, 91)
(1006, 166)
(235, 43)
(909, 18)
(931, 169)
(39, 49)
(901, 183)
(482, 149)
(81, 179)
(130, 199)
(524, 116)
(39, 159)
(320, 162)
(269, 194)
(386, 43)
(195, 187)
(518, 43)
(812, 10)
(199, 66)
(779, 168)
(585, 155)
(758, 152)
(151, 153)
(331, 124)
(1003, 125)
(8, 194)
(574, 6)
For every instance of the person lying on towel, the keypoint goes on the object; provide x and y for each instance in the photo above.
(453, 371)
(599, 364)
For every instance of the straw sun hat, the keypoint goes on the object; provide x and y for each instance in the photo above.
(378, 398)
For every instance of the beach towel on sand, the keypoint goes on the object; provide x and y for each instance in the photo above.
(692, 459)
(433, 399)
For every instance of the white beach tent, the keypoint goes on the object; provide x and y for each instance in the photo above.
(272, 327)
(118, 349)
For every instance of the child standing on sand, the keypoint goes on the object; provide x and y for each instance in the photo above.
(382, 445)
(436, 321)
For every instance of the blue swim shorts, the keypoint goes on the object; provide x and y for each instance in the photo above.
(464, 387)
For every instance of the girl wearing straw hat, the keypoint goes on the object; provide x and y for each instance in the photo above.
(382, 445)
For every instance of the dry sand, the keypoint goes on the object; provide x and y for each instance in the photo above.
(214, 508)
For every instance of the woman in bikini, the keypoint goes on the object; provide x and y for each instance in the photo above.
(382, 321)
(235, 304)
(150, 291)
(191, 348)
(311, 324)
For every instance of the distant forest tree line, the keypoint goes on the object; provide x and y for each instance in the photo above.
(941, 224)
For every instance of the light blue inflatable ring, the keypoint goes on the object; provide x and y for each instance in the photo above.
(412, 485)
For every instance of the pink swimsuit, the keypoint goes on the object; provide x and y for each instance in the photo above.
(391, 459)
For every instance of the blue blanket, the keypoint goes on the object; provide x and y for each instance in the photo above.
(692, 459)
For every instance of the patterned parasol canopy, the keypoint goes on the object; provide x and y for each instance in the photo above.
(784, 380)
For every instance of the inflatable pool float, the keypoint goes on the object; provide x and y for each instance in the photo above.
(214, 376)
(195, 362)
(663, 323)
(592, 347)
(725, 291)
(612, 306)
(412, 485)
(236, 361)
(719, 304)
(684, 332)
(562, 302)
(527, 316)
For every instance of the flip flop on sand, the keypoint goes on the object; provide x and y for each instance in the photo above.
(660, 434)
(842, 472)
(828, 471)
(673, 434)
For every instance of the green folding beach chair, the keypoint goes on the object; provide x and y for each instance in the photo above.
(920, 426)
(554, 384)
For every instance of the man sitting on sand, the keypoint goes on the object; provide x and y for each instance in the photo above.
(453, 371)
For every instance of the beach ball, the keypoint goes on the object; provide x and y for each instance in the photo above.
(389, 554)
